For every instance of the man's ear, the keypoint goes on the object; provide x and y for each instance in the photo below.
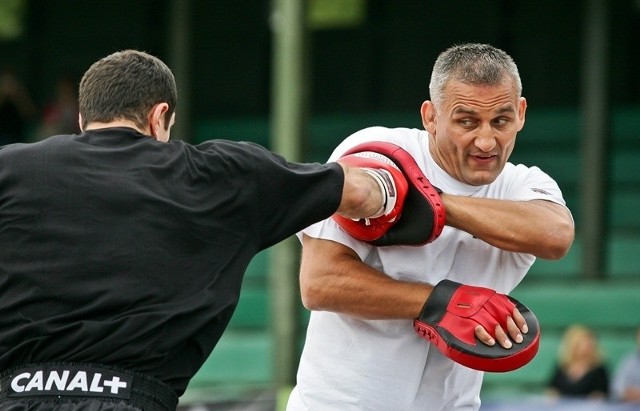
(522, 109)
(428, 115)
(80, 122)
(156, 119)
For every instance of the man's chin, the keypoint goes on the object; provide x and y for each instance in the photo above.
(481, 178)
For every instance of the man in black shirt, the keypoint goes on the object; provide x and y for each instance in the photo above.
(122, 253)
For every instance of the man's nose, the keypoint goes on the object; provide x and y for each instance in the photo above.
(485, 140)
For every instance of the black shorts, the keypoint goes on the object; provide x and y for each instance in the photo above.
(84, 404)
(82, 387)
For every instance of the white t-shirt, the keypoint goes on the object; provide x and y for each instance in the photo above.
(350, 364)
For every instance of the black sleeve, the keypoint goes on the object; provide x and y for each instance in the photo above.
(295, 195)
(278, 197)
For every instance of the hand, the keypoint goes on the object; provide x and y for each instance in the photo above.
(516, 326)
(464, 322)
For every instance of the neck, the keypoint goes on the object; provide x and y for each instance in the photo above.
(116, 123)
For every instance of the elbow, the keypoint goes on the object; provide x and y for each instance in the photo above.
(310, 303)
(555, 252)
(559, 242)
(311, 296)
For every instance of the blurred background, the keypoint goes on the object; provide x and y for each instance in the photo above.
(298, 76)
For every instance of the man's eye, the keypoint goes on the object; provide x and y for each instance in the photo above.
(501, 121)
(465, 122)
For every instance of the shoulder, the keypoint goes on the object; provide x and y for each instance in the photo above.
(410, 139)
(228, 147)
(47, 145)
(520, 176)
(231, 153)
(512, 170)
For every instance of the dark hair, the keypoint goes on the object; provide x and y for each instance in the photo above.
(125, 86)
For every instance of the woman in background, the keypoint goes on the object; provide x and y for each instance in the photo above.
(580, 371)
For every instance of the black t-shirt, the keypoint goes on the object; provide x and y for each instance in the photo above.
(594, 381)
(117, 249)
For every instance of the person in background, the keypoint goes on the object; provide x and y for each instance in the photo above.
(625, 385)
(580, 371)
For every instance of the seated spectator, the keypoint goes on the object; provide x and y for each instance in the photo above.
(580, 371)
(626, 380)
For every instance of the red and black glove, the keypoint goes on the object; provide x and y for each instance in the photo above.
(418, 216)
(451, 314)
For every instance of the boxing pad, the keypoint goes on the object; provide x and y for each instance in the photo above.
(451, 314)
(418, 220)
(393, 186)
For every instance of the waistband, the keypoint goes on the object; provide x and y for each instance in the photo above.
(68, 381)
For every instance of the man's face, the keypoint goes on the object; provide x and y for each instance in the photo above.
(473, 132)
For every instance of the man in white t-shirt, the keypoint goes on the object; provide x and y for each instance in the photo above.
(361, 352)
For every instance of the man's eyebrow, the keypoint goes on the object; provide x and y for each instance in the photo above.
(464, 110)
(500, 110)
(506, 109)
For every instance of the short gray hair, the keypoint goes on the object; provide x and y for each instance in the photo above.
(472, 63)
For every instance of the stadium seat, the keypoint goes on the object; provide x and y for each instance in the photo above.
(598, 304)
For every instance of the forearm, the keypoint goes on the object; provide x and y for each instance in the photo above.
(342, 283)
(537, 227)
(334, 279)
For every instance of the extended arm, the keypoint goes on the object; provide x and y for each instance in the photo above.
(537, 227)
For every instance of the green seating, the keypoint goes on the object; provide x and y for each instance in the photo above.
(258, 269)
(567, 267)
(623, 252)
(239, 358)
(625, 125)
(624, 211)
(253, 311)
(550, 128)
(602, 305)
(625, 167)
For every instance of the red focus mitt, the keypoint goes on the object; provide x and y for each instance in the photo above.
(418, 216)
(451, 314)
(393, 185)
